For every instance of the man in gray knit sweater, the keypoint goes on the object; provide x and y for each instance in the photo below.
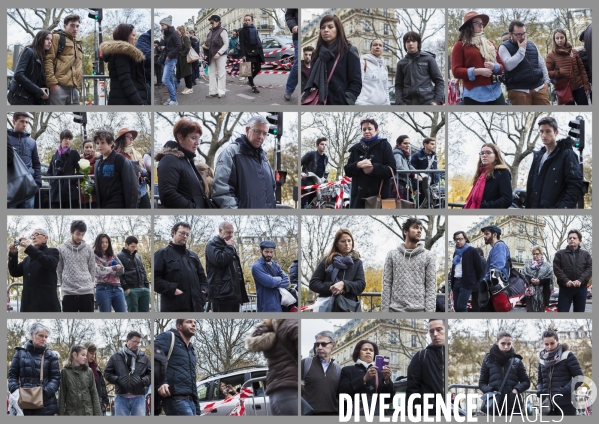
(76, 271)
(409, 275)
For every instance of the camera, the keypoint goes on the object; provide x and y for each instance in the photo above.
(17, 242)
(498, 78)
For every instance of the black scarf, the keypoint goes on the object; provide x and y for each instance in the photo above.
(501, 357)
(318, 73)
(253, 33)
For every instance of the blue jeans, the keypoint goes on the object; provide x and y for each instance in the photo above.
(179, 407)
(109, 297)
(293, 74)
(130, 406)
(461, 296)
(569, 295)
(26, 204)
(167, 78)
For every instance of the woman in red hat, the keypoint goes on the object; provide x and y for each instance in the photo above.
(124, 145)
(475, 60)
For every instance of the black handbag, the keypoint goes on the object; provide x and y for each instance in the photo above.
(17, 94)
(343, 304)
(20, 183)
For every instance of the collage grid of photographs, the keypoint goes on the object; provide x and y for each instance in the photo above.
(296, 211)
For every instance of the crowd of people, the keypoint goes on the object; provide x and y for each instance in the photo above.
(80, 384)
(88, 276)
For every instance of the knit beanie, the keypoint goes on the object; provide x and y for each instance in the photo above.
(167, 21)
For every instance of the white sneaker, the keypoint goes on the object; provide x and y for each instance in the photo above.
(167, 102)
(172, 103)
(187, 91)
(241, 78)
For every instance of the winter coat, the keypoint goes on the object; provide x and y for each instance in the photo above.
(172, 43)
(26, 148)
(426, 373)
(409, 282)
(293, 274)
(245, 47)
(472, 269)
(367, 185)
(353, 277)
(346, 83)
(557, 380)
(176, 267)
(144, 44)
(402, 163)
(183, 68)
(225, 274)
(498, 189)
(569, 265)
(374, 81)
(420, 160)
(563, 60)
(497, 259)
(528, 74)
(310, 161)
(181, 368)
(40, 282)
(64, 165)
(352, 383)
(28, 79)
(118, 372)
(101, 389)
(305, 73)
(127, 73)
(195, 43)
(559, 184)
(292, 20)
(134, 276)
(464, 57)
(278, 340)
(243, 178)
(418, 80)
(180, 185)
(585, 61)
(78, 394)
(76, 268)
(116, 169)
(25, 365)
(66, 69)
(268, 278)
(233, 45)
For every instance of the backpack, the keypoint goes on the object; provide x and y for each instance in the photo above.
(61, 42)
(307, 362)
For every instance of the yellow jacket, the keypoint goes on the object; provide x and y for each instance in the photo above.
(67, 69)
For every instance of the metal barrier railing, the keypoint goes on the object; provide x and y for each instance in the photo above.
(42, 190)
(435, 195)
(266, 404)
(250, 306)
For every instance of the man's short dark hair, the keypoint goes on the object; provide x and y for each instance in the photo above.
(179, 224)
(438, 319)
(427, 140)
(320, 140)
(71, 18)
(308, 49)
(17, 115)
(78, 225)
(405, 228)
(131, 239)
(356, 353)
(578, 233)
(132, 334)
(514, 24)
(104, 135)
(548, 120)
(412, 36)
(156, 42)
(400, 139)
(66, 134)
(463, 233)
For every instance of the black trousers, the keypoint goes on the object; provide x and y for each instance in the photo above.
(158, 72)
(256, 67)
(78, 303)
(228, 306)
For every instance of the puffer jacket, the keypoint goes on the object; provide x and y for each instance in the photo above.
(426, 372)
(26, 148)
(135, 275)
(118, 372)
(172, 43)
(28, 79)
(180, 185)
(25, 365)
(67, 69)
(144, 43)
(367, 185)
(176, 267)
(278, 340)
(374, 81)
(353, 277)
(225, 274)
(66, 164)
(559, 184)
(78, 394)
(557, 380)
(243, 178)
(127, 73)
(570, 265)
(418, 80)
(563, 60)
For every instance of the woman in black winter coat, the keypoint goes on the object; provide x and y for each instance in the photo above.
(557, 367)
(26, 366)
(180, 184)
(370, 161)
(500, 360)
(250, 48)
(364, 377)
(125, 68)
(345, 84)
(28, 86)
(64, 193)
(492, 182)
(98, 376)
(341, 272)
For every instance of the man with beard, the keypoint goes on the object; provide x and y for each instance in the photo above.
(466, 271)
(306, 65)
(425, 159)
(269, 277)
(178, 388)
(498, 259)
(226, 287)
(409, 275)
(573, 269)
(320, 376)
(426, 372)
(314, 161)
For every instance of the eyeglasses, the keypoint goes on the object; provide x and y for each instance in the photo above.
(478, 23)
(321, 344)
(486, 153)
(184, 234)
(35, 235)
(258, 132)
(135, 342)
(128, 136)
(519, 34)
(458, 239)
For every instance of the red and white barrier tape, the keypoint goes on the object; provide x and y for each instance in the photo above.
(238, 409)
(318, 187)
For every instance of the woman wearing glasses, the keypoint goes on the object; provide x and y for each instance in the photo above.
(475, 60)
(492, 182)
(539, 275)
(38, 270)
(180, 184)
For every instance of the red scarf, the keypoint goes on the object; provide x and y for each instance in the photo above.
(94, 368)
(475, 198)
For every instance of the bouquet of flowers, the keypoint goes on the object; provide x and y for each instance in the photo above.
(87, 185)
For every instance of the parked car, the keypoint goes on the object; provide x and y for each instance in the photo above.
(270, 44)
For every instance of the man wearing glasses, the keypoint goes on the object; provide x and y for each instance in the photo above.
(38, 270)
(320, 376)
(526, 76)
(466, 271)
(243, 176)
(178, 274)
(130, 372)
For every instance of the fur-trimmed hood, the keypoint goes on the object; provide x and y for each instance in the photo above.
(109, 48)
(263, 336)
(169, 150)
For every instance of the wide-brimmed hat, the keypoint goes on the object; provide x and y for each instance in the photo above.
(124, 131)
(474, 14)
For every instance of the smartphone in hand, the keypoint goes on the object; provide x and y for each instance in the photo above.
(381, 361)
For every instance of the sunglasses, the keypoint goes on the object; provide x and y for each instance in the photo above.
(321, 344)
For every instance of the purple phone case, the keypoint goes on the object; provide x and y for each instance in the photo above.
(381, 361)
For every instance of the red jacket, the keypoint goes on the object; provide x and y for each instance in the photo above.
(465, 57)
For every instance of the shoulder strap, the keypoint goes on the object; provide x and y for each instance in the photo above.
(307, 365)
(365, 64)
(42, 367)
(170, 349)
(61, 43)
(420, 358)
(506, 374)
(333, 70)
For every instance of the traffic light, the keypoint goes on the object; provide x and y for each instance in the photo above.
(96, 68)
(95, 14)
(280, 177)
(80, 118)
(577, 132)
(275, 119)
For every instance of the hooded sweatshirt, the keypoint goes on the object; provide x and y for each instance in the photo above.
(374, 81)
(76, 268)
(409, 281)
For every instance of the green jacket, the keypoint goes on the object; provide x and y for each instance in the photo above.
(78, 394)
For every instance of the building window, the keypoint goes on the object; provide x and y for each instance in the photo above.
(534, 242)
(366, 26)
(520, 256)
(385, 29)
(535, 231)
(413, 340)
(386, 13)
(521, 242)
(521, 228)
(413, 323)
(394, 358)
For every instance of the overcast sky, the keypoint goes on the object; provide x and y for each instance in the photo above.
(180, 16)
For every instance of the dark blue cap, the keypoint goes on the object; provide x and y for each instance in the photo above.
(267, 244)
(493, 229)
